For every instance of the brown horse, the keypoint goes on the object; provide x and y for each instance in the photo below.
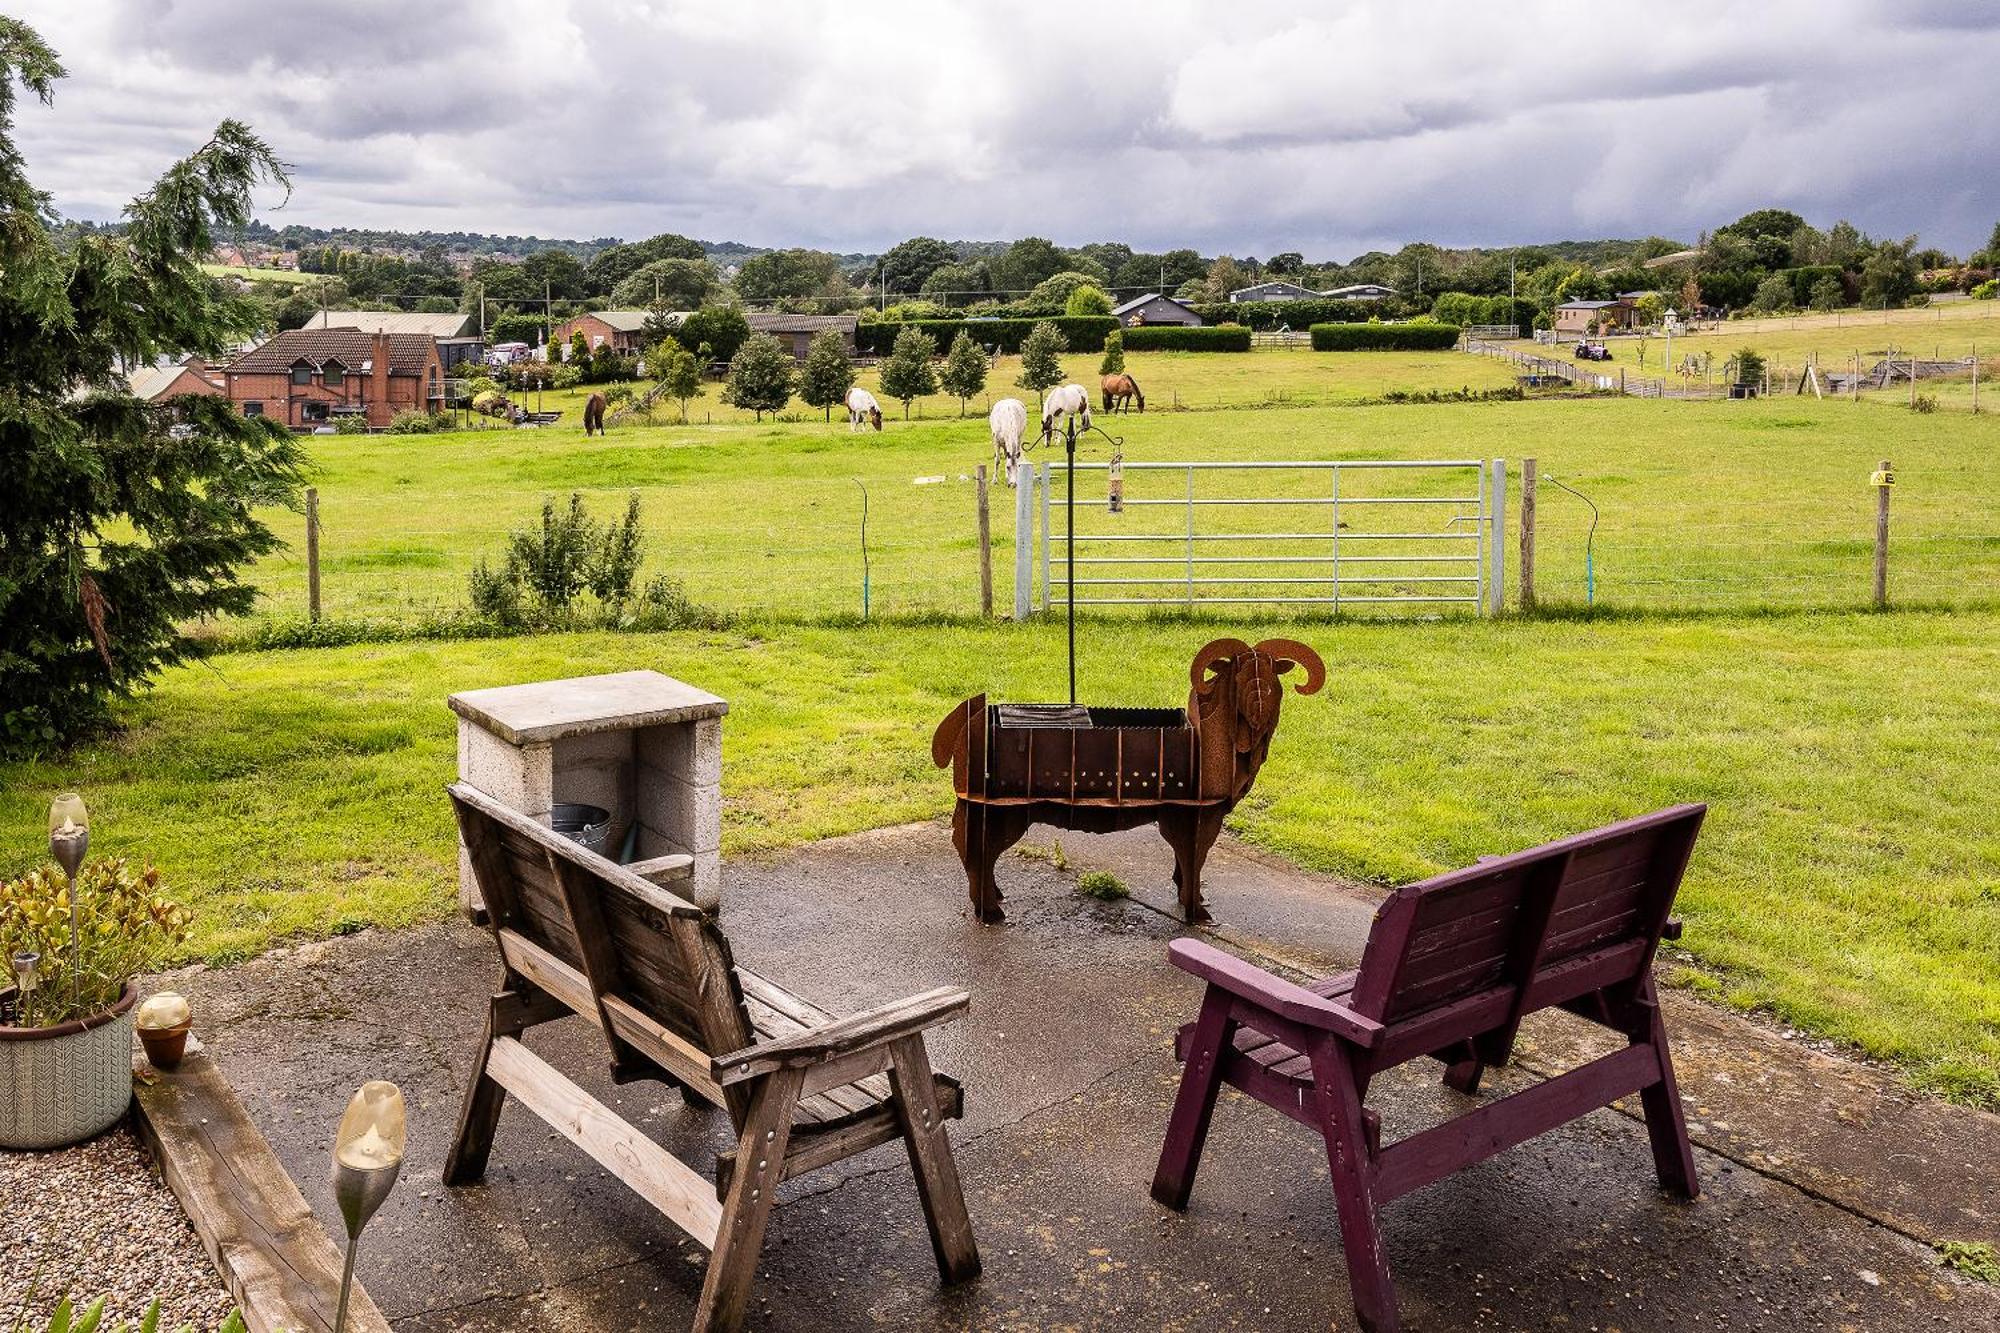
(593, 414)
(1121, 390)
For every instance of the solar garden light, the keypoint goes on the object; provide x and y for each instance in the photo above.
(367, 1156)
(27, 965)
(69, 838)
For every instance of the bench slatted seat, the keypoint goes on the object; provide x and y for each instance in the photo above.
(580, 935)
(1452, 966)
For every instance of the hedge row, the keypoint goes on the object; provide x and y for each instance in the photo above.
(1084, 333)
(1294, 314)
(1384, 337)
(1175, 338)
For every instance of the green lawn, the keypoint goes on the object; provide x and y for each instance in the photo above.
(290, 275)
(1847, 878)
(1703, 505)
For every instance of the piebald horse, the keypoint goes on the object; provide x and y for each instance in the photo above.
(1068, 401)
(1009, 423)
(861, 406)
(1121, 391)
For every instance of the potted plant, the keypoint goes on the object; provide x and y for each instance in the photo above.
(73, 940)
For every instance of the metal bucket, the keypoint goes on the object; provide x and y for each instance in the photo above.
(586, 825)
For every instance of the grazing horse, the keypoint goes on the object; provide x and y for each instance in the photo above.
(861, 406)
(1009, 423)
(1121, 391)
(593, 414)
(1068, 401)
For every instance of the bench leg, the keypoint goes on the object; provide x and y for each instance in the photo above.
(1463, 1067)
(1337, 1095)
(931, 1162)
(1666, 1126)
(760, 1157)
(1194, 1104)
(511, 1012)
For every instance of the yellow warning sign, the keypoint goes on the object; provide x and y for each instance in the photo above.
(1881, 478)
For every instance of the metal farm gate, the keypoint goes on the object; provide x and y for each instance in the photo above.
(1381, 534)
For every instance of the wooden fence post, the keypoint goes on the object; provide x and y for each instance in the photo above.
(312, 551)
(1883, 481)
(1527, 534)
(985, 549)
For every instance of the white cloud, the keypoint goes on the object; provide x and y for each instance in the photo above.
(1257, 127)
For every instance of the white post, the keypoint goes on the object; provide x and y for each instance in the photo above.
(1496, 589)
(1044, 481)
(1024, 541)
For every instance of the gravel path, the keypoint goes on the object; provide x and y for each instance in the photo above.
(91, 1221)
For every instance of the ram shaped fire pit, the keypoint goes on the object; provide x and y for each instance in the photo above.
(1100, 770)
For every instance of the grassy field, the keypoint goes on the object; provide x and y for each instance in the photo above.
(290, 275)
(1847, 879)
(1702, 505)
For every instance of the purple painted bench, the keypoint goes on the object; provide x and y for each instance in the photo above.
(1451, 967)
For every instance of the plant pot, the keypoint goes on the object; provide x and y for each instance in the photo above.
(165, 1046)
(66, 1083)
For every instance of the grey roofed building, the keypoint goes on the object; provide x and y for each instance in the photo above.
(625, 321)
(1360, 291)
(797, 331)
(1154, 308)
(449, 325)
(1276, 290)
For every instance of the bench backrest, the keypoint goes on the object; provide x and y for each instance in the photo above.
(628, 938)
(1518, 933)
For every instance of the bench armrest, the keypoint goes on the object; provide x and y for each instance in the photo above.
(871, 1027)
(1268, 991)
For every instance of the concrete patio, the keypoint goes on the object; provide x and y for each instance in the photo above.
(1823, 1182)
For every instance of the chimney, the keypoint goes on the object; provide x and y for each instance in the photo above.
(378, 380)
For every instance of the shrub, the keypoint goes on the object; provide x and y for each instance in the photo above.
(416, 423)
(1102, 885)
(1925, 403)
(1384, 337)
(1173, 338)
(1986, 290)
(1114, 353)
(567, 554)
(665, 605)
(496, 597)
(720, 329)
(1082, 333)
(1749, 366)
(350, 423)
(66, 1319)
(1087, 300)
(124, 927)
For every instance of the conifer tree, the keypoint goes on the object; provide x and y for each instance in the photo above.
(907, 374)
(828, 373)
(964, 369)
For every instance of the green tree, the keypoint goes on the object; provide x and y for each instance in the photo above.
(558, 273)
(1026, 264)
(908, 265)
(1051, 293)
(1114, 353)
(1827, 293)
(677, 284)
(721, 329)
(1889, 275)
(828, 373)
(1041, 358)
(907, 373)
(760, 375)
(1285, 264)
(958, 284)
(777, 275)
(964, 369)
(1224, 276)
(1087, 300)
(120, 522)
(1773, 294)
(613, 264)
(579, 348)
(679, 372)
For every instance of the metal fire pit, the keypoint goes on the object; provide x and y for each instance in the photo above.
(1100, 770)
(585, 825)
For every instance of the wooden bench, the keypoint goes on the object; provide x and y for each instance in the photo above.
(580, 935)
(1451, 967)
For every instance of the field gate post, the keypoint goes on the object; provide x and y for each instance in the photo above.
(985, 547)
(1527, 534)
(312, 552)
(1883, 481)
(1497, 583)
(1024, 541)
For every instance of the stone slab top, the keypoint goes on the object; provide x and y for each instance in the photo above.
(547, 710)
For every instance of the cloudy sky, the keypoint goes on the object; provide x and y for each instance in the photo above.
(1242, 127)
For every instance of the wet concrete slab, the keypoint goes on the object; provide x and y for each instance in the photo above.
(1065, 1058)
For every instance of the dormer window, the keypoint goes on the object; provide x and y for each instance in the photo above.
(302, 372)
(334, 374)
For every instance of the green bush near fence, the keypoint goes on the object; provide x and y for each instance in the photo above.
(1081, 333)
(1174, 338)
(1385, 337)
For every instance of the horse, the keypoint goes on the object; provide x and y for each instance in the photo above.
(1009, 423)
(1068, 401)
(1121, 390)
(861, 405)
(593, 415)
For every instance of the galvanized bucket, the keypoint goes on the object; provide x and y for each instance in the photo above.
(64, 1084)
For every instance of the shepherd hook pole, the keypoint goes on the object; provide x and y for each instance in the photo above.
(1069, 544)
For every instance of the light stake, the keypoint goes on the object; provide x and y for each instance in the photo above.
(367, 1157)
(69, 838)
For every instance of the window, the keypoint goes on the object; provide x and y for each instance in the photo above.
(302, 372)
(333, 374)
(253, 409)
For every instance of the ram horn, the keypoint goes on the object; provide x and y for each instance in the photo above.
(1291, 650)
(1212, 653)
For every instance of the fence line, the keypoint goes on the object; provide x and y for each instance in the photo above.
(1635, 386)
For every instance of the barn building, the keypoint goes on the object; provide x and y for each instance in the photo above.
(1276, 290)
(796, 332)
(1157, 309)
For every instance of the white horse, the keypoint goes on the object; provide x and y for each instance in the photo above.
(1009, 423)
(1070, 400)
(861, 406)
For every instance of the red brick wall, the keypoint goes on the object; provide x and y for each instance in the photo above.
(284, 401)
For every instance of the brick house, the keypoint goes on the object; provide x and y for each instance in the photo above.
(622, 330)
(306, 377)
(156, 384)
(796, 332)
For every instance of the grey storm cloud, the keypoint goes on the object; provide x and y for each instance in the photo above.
(1250, 128)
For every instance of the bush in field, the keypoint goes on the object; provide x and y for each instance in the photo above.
(1384, 337)
(350, 423)
(828, 372)
(1986, 290)
(1774, 294)
(760, 375)
(1749, 366)
(1174, 338)
(549, 566)
(1827, 294)
(579, 349)
(964, 369)
(560, 376)
(416, 423)
(1114, 353)
(721, 329)
(679, 372)
(907, 374)
(1087, 300)
(1041, 358)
